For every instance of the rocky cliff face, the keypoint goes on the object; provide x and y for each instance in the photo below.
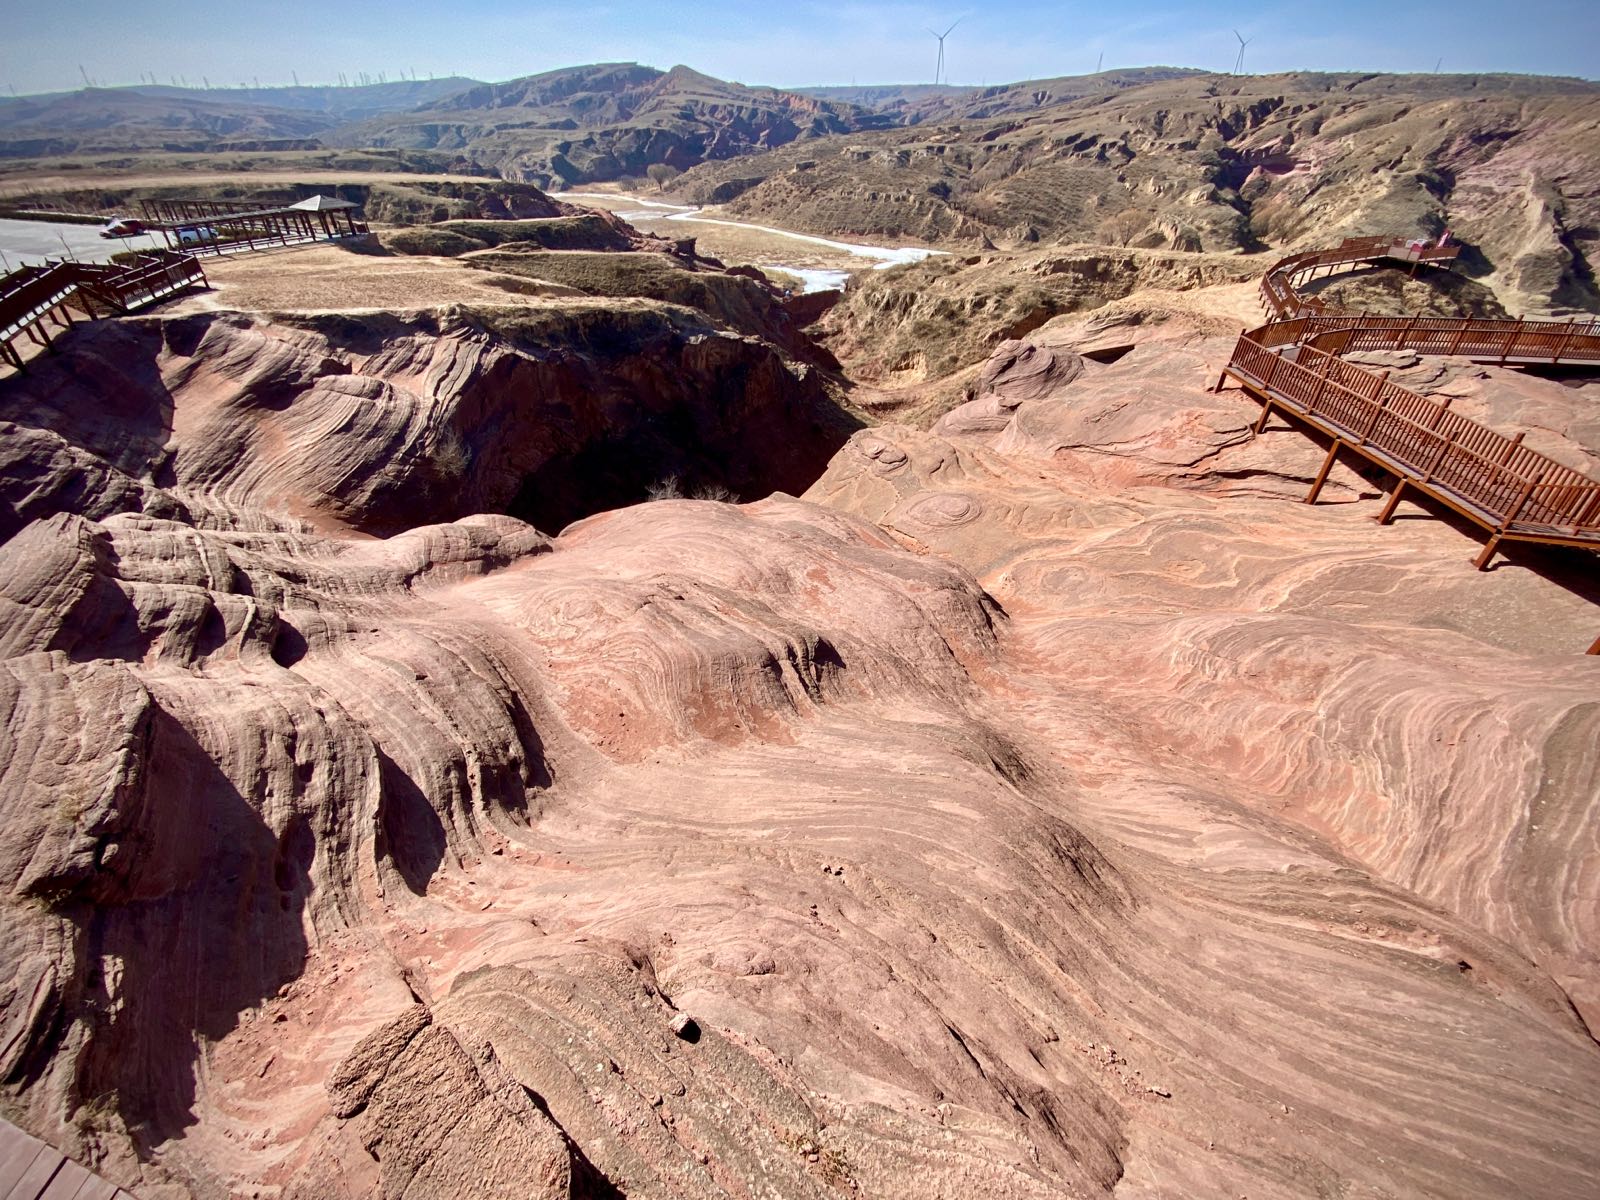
(591, 124)
(383, 423)
(1222, 163)
(1048, 803)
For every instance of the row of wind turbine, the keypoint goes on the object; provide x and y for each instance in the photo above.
(941, 73)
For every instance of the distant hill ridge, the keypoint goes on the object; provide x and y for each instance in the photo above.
(607, 121)
(1156, 154)
(160, 117)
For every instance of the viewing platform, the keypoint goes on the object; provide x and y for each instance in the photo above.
(225, 226)
(1292, 365)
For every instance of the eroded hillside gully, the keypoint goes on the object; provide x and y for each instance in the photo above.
(1044, 803)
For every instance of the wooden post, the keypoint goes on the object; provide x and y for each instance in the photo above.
(1382, 381)
(1511, 340)
(1322, 475)
(1377, 415)
(1566, 340)
(1322, 382)
(1387, 514)
(1522, 502)
(1482, 561)
(1266, 411)
(1444, 448)
(1511, 447)
(1272, 369)
(1405, 333)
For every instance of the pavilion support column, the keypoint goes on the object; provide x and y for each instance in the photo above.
(1322, 475)
(1393, 503)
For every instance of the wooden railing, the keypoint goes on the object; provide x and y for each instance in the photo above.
(151, 277)
(30, 294)
(1513, 488)
(1293, 364)
(1278, 291)
(243, 235)
(1552, 342)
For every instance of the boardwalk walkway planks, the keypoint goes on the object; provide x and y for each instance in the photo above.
(33, 1170)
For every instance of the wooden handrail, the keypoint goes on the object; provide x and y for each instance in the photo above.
(30, 294)
(1292, 362)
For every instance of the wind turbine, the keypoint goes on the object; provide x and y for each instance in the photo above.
(1238, 63)
(938, 70)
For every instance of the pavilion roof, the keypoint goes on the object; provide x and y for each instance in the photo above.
(321, 204)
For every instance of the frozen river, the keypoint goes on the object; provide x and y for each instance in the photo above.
(35, 241)
(814, 279)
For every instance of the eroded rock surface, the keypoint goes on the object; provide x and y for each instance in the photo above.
(381, 423)
(1039, 806)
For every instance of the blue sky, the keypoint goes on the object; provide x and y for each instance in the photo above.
(789, 44)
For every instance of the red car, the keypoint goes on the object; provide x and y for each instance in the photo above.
(120, 227)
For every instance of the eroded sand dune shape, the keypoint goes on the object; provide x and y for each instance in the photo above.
(1048, 804)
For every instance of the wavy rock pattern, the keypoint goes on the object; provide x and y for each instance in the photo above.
(1050, 809)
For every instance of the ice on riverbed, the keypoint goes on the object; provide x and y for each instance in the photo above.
(812, 279)
(884, 256)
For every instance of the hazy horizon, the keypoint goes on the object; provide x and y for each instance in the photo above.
(806, 44)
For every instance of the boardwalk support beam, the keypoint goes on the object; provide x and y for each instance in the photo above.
(1322, 475)
(1266, 411)
(1387, 514)
(1482, 561)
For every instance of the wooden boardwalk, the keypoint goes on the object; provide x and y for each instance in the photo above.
(1292, 365)
(224, 226)
(33, 298)
(32, 1170)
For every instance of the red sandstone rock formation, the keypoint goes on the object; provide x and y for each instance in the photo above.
(1044, 807)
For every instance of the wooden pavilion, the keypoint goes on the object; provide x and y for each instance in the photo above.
(219, 226)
